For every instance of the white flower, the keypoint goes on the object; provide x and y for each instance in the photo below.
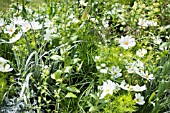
(18, 20)
(10, 29)
(126, 86)
(146, 75)
(48, 23)
(16, 38)
(157, 40)
(116, 72)
(103, 70)
(138, 66)
(75, 20)
(127, 42)
(82, 2)
(94, 20)
(71, 16)
(36, 25)
(3, 61)
(152, 23)
(130, 67)
(107, 88)
(103, 65)
(96, 58)
(5, 68)
(25, 26)
(138, 88)
(141, 52)
(146, 23)
(2, 22)
(139, 99)
(142, 22)
(47, 36)
(105, 23)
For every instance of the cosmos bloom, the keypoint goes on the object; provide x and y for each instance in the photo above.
(141, 52)
(16, 38)
(142, 22)
(5, 68)
(48, 23)
(83, 3)
(18, 20)
(36, 25)
(116, 72)
(3, 61)
(127, 42)
(107, 88)
(10, 29)
(25, 26)
(146, 75)
(146, 23)
(139, 99)
(138, 88)
(2, 22)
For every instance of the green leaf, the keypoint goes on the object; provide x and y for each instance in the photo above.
(164, 85)
(56, 57)
(56, 75)
(165, 44)
(73, 89)
(152, 96)
(70, 95)
(93, 109)
(68, 61)
(166, 68)
(156, 108)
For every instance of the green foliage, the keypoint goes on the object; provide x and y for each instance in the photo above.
(63, 72)
(121, 104)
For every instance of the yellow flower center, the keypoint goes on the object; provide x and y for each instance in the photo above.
(11, 30)
(126, 43)
(107, 91)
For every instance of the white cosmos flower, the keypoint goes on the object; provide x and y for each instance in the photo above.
(146, 75)
(157, 40)
(36, 25)
(152, 23)
(107, 88)
(16, 38)
(129, 87)
(96, 58)
(2, 22)
(3, 61)
(127, 42)
(47, 36)
(75, 20)
(18, 20)
(25, 26)
(138, 88)
(116, 72)
(141, 52)
(104, 71)
(83, 3)
(138, 67)
(5, 68)
(10, 29)
(48, 23)
(139, 99)
(146, 23)
(142, 22)
(130, 67)
(135, 67)
(126, 86)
